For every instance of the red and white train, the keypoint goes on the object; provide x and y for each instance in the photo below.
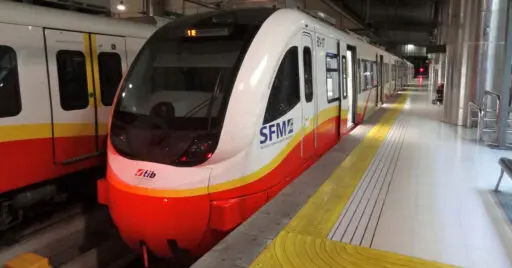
(221, 111)
(59, 72)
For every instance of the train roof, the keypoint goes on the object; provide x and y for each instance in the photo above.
(31, 15)
(330, 29)
(349, 35)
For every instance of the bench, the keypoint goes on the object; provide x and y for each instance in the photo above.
(506, 167)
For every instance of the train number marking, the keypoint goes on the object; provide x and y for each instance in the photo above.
(320, 42)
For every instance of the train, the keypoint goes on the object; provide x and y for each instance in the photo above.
(59, 71)
(222, 110)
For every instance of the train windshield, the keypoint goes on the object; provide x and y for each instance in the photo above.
(171, 105)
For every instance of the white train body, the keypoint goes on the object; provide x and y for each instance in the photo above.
(296, 89)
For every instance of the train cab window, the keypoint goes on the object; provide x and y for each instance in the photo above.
(72, 80)
(285, 91)
(333, 77)
(111, 72)
(10, 99)
(308, 74)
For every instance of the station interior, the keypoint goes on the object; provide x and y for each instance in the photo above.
(256, 133)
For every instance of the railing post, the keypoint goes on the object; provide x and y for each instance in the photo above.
(469, 117)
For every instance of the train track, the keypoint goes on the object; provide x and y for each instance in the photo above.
(74, 238)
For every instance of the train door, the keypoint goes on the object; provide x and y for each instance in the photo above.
(109, 63)
(377, 74)
(395, 79)
(344, 84)
(380, 79)
(70, 76)
(343, 88)
(352, 83)
(308, 105)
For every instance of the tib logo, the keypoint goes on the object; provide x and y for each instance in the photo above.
(145, 173)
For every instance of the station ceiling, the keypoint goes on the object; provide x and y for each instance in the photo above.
(387, 22)
(394, 22)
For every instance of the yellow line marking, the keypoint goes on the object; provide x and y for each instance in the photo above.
(41, 131)
(303, 242)
(296, 250)
(332, 196)
(88, 68)
(28, 260)
(96, 72)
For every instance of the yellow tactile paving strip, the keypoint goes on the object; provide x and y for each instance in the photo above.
(303, 242)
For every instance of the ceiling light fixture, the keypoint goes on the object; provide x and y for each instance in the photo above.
(121, 6)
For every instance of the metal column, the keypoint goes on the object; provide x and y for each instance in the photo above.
(443, 38)
(494, 69)
(470, 52)
(506, 83)
(455, 43)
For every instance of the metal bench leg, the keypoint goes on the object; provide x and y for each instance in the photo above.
(499, 181)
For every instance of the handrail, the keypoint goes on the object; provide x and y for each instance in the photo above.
(473, 107)
(482, 111)
(489, 94)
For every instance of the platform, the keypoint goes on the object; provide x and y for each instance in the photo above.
(401, 190)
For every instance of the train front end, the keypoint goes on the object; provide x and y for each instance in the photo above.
(165, 130)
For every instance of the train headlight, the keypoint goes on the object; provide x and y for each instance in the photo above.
(200, 149)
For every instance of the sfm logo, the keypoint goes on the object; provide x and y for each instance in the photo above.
(145, 173)
(276, 131)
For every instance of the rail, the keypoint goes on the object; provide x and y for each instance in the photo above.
(489, 94)
(473, 107)
(483, 111)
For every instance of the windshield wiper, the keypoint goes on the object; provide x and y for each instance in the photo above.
(215, 94)
(208, 101)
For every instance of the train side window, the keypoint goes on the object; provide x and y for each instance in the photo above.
(72, 80)
(361, 77)
(344, 75)
(388, 73)
(370, 74)
(285, 91)
(333, 77)
(308, 74)
(365, 75)
(385, 73)
(375, 74)
(111, 72)
(10, 98)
